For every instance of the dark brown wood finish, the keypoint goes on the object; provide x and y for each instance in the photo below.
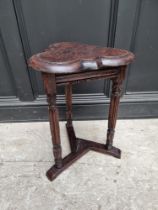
(114, 102)
(68, 57)
(50, 88)
(68, 94)
(68, 63)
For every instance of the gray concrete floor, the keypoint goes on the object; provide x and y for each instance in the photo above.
(95, 182)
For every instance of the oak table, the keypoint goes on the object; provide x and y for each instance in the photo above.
(67, 63)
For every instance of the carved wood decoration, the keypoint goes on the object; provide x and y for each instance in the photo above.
(68, 63)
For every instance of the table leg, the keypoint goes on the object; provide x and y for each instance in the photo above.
(69, 125)
(68, 94)
(50, 88)
(113, 109)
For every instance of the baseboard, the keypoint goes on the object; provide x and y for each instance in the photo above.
(38, 112)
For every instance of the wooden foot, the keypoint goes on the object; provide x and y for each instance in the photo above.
(81, 147)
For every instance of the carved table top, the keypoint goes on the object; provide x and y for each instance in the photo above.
(71, 57)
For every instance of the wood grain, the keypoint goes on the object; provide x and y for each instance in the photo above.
(69, 57)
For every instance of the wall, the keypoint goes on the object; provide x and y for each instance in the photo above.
(27, 27)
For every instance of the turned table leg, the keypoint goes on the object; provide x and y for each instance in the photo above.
(69, 125)
(114, 103)
(50, 88)
(68, 94)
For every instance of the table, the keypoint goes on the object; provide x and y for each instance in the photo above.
(66, 63)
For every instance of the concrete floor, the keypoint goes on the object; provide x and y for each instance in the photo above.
(95, 182)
